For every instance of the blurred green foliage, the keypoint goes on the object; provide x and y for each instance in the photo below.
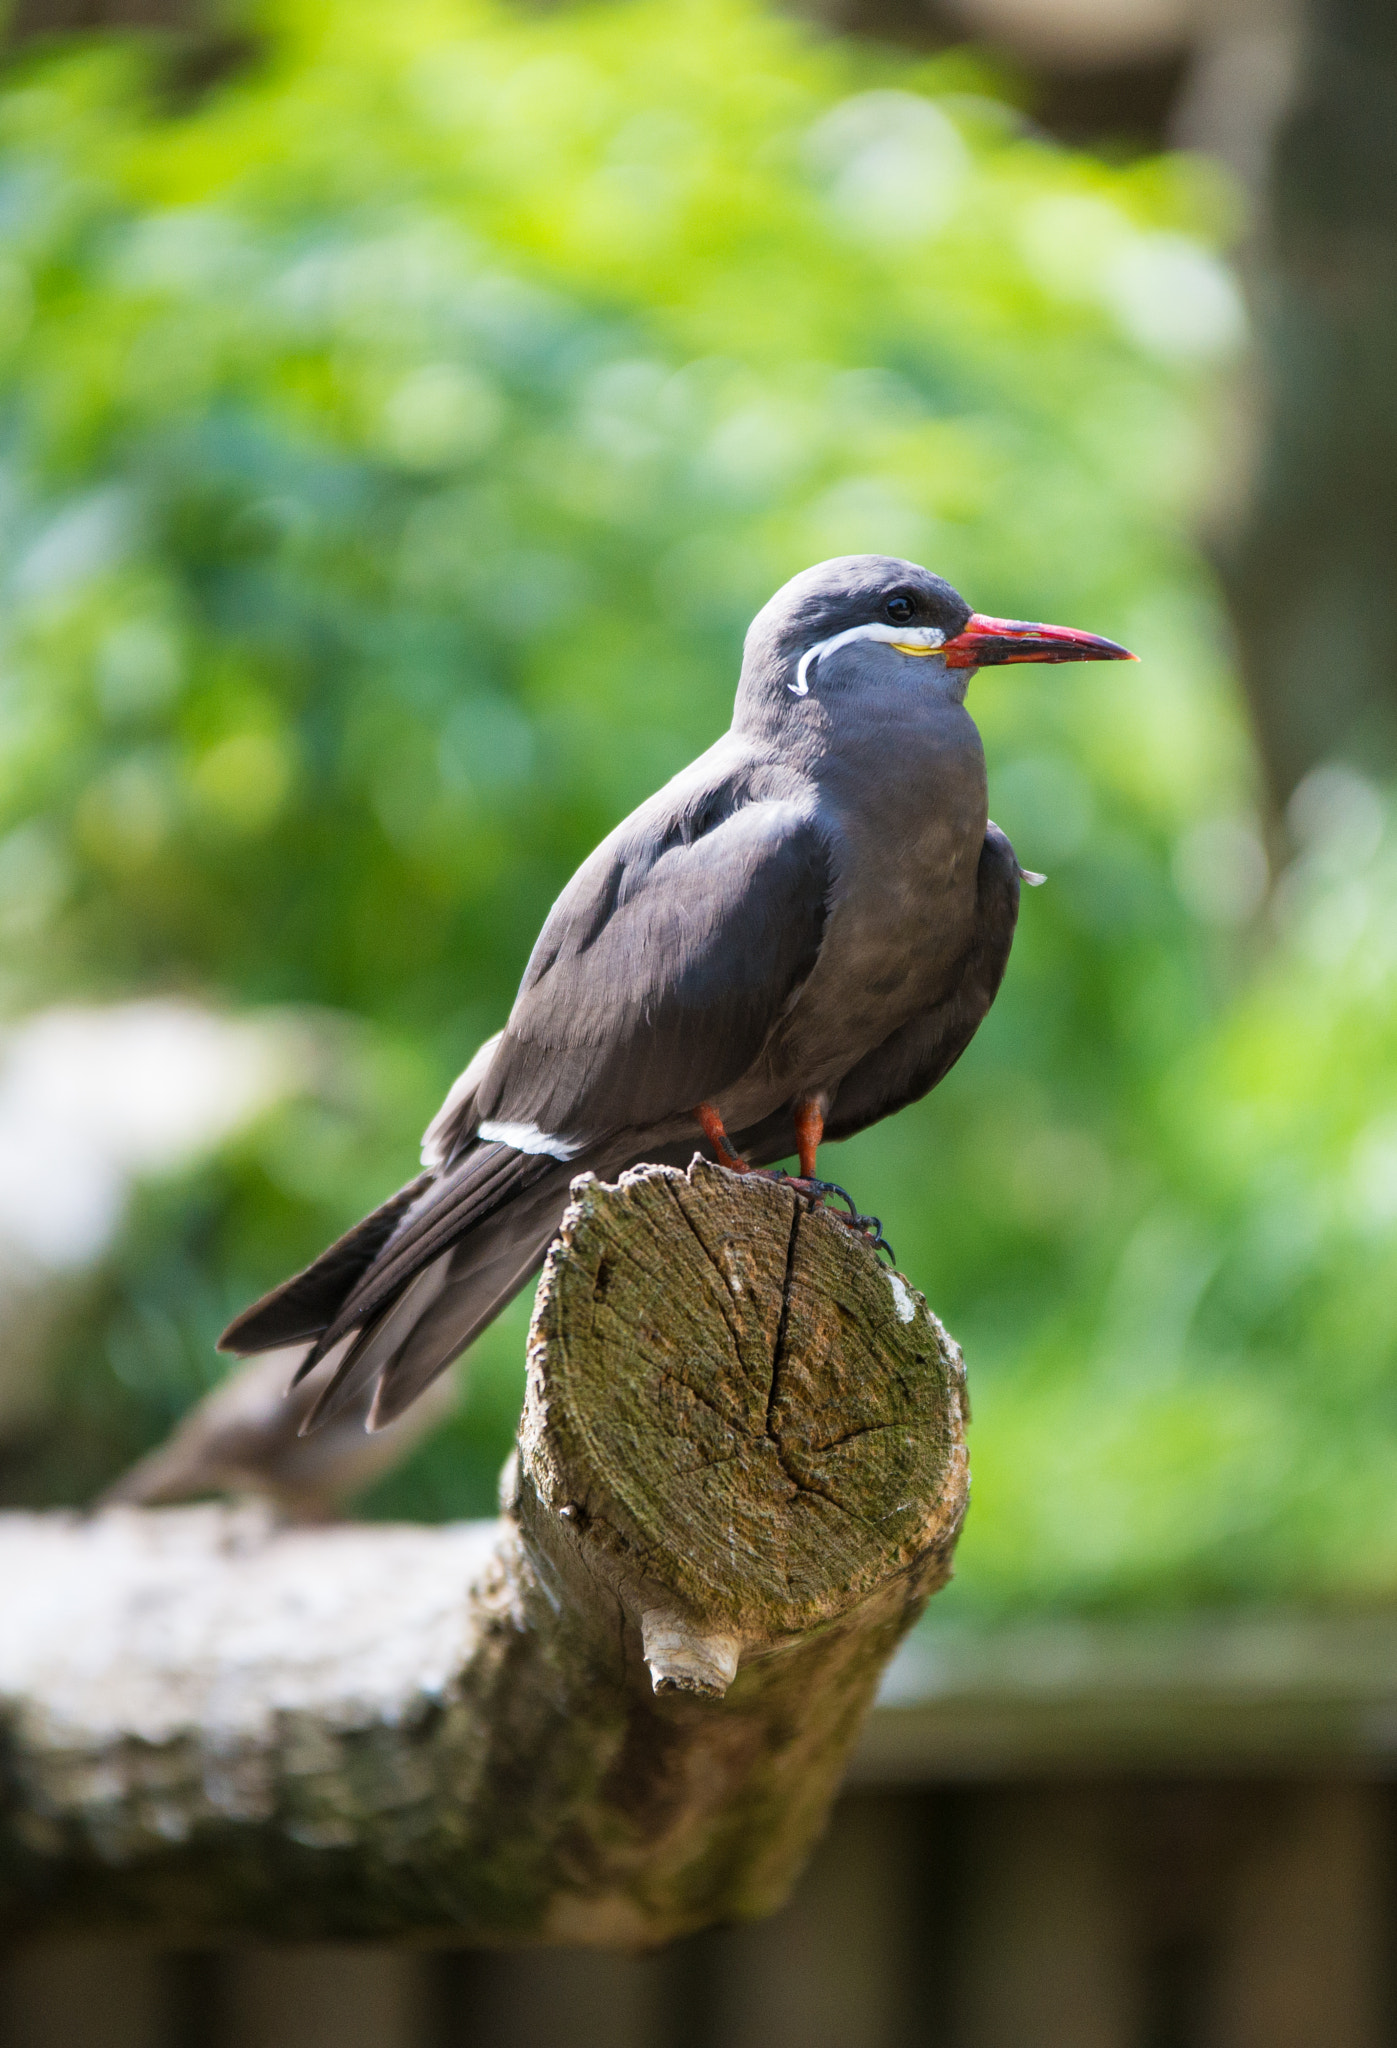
(395, 447)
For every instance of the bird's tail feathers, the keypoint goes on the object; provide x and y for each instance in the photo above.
(375, 1347)
(302, 1308)
(480, 1282)
(460, 1252)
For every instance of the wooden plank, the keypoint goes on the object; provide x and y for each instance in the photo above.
(323, 1995)
(1304, 1955)
(1262, 1694)
(1047, 1950)
(79, 1994)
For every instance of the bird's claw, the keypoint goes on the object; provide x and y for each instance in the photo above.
(818, 1192)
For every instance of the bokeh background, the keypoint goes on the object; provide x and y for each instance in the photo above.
(402, 412)
(398, 434)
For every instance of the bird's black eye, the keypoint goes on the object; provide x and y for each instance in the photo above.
(899, 610)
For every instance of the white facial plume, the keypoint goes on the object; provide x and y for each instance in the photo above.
(906, 639)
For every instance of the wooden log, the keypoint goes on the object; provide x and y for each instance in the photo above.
(616, 1715)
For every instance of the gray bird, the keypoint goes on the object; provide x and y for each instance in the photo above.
(796, 936)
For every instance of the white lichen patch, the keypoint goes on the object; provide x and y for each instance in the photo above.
(903, 1301)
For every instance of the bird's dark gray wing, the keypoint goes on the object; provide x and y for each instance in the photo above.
(455, 1122)
(911, 1060)
(663, 967)
(658, 976)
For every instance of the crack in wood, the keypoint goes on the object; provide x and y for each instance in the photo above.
(778, 1361)
(711, 1265)
(778, 1349)
(851, 1435)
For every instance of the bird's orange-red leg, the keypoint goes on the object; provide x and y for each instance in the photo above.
(810, 1128)
(718, 1138)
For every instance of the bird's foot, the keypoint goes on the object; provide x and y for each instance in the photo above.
(818, 1192)
(809, 1126)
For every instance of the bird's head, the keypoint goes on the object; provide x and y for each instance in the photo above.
(872, 622)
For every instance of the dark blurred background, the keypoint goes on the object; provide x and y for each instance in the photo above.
(402, 412)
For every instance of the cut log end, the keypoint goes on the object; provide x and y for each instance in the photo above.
(742, 1405)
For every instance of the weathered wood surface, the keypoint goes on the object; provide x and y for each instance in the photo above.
(617, 1714)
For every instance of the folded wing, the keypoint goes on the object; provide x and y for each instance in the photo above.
(662, 969)
(659, 974)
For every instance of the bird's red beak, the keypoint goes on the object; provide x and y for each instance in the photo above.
(984, 643)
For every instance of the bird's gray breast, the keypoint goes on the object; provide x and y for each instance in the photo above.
(906, 809)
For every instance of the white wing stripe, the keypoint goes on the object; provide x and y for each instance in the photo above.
(529, 1138)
